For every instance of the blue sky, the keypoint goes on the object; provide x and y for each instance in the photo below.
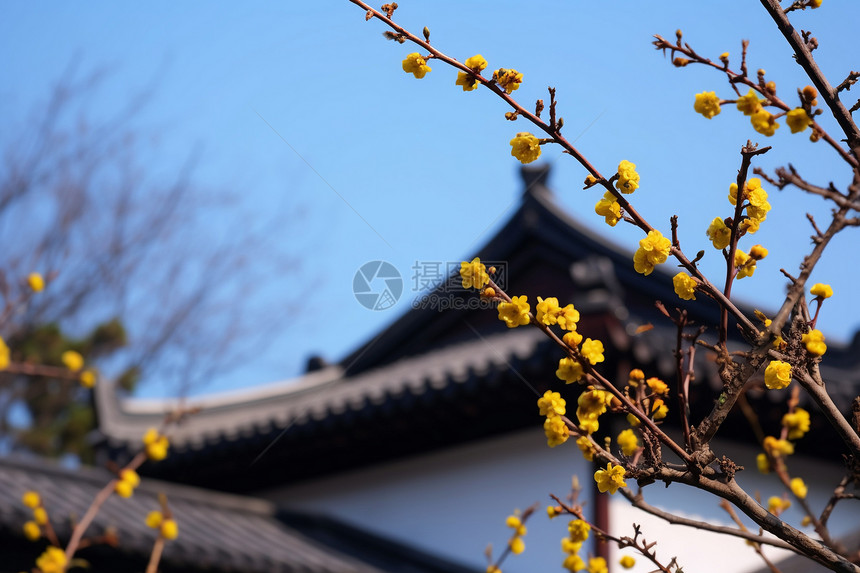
(393, 168)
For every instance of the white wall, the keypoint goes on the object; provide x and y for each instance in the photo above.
(453, 503)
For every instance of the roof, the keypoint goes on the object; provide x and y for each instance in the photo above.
(432, 379)
(217, 532)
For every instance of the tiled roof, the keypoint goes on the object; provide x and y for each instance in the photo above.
(217, 532)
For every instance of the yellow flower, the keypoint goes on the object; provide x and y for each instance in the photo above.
(610, 479)
(745, 264)
(154, 519)
(525, 147)
(123, 488)
(53, 560)
(579, 530)
(798, 488)
(707, 104)
(515, 523)
(555, 430)
(517, 545)
(88, 378)
(633, 420)
(547, 311)
(31, 499)
(553, 511)
(657, 386)
(777, 375)
(628, 179)
(130, 476)
(508, 80)
(493, 569)
(592, 350)
(749, 104)
(628, 562)
(32, 531)
(653, 250)
(584, 444)
(798, 120)
(572, 338)
(628, 441)
(573, 563)
(778, 448)
(763, 463)
(476, 63)
(36, 282)
(659, 409)
(777, 505)
(416, 65)
(609, 209)
(597, 565)
(758, 252)
(468, 81)
(821, 290)
(156, 445)
(569, 370)
(590, 180)
(72, 360)
(551, 404)
(719, 234)
(592, 404)
(40, 516)
(685, 286)
(814, 342)
(474, 274)
(815, 4)
(797, 423)
(516, 312)
(169, 529)
(568, 317)
(764, 122)
(635, 377)
(4, 354)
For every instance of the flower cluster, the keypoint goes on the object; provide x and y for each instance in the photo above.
(33, 528)
(610, 479)
(707, 104)
(72, 360)
(797, 423)
(553, 406)
(609, 209)
(477, 64)
(628, 441)
(549, 313)
(166, 526)
(474, 274)
(756, 206)
(590, 405)
(127, 482)
(578, 532)
(814, 342)
(745, 263)
(156, 445)
(516, 312)
(653, 250)
(628, 179)
(516, 543)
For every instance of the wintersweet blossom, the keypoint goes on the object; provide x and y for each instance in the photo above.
(764, 122)
(551, 404)
(749, 104)
(88, 378)
(547, 311)
(610, 479)
(477, 64)
(156, 445)
(719, 234)
(627, 562)
(821, 290)
(777, 448)
(516, 312)
(72, 360)
(31, 499)
(653, 250)
(36, 282)
(416, 65)
(609, 209)
(169, 529)
(777, 505)
(707, 104)
(572, 338)
(508, 80)
(814, 342)
(525, 147)
(628, 179)
(573, 563)
(659, 409)
(32, 531)
(569, 370)
(745, 264)
(685, 286)
(592, 350)
(657, 386)
(597, 565)
(52, 560)
(777, 375)
(797, 423)
(798, 488)
(578, 530)
(515, 523)
(474, 274)
(556, 431)
(4, 354)
(628, 441)
(586, 447)
(798, 120)
(568, 317)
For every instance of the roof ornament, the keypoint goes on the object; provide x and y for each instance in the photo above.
(534, 179)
